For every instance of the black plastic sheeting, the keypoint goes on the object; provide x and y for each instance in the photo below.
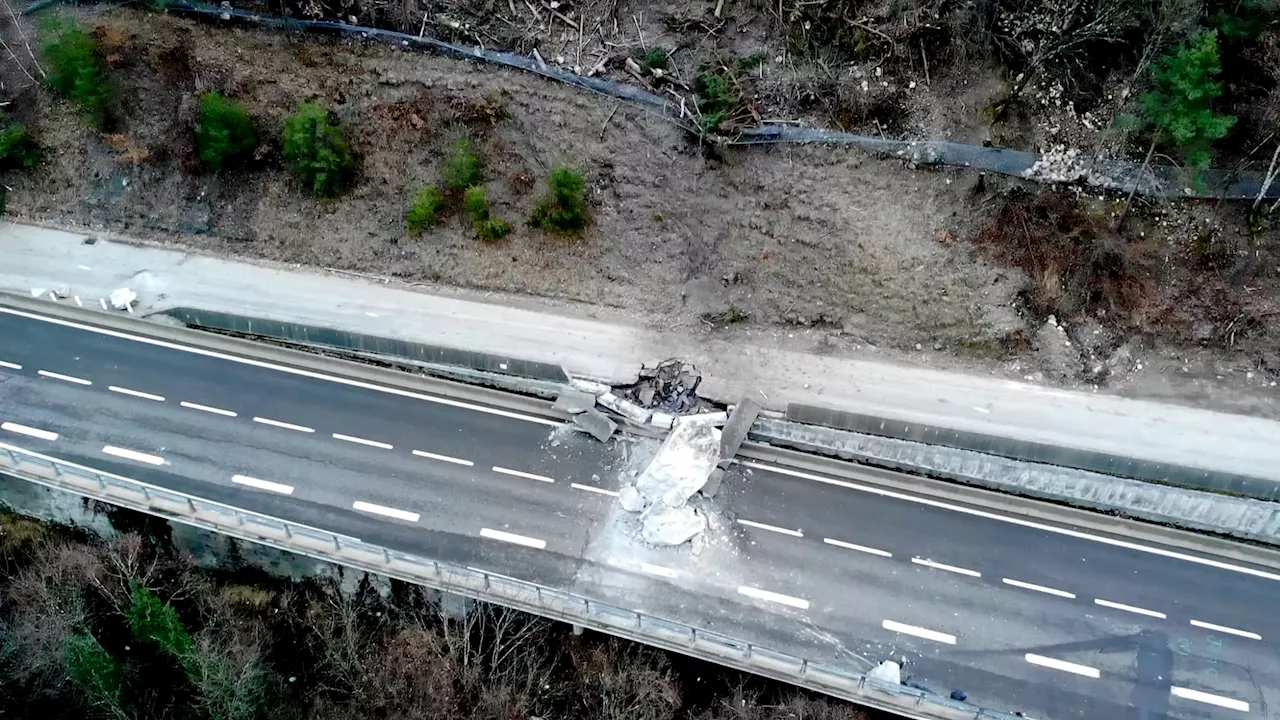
(1116, 175)
(357, 342)
(1104, 463)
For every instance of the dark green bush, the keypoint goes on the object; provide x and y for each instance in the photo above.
(476, 202)
(1181, 105)
(226, 136)
(463, 168)
(424, 210)
(493, 229)
(17, 150)
(317, 151)
(75, 70)
(564, 208)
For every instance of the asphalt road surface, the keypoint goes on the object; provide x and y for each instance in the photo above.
(1022, 616)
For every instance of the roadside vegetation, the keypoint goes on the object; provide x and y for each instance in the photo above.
(76, 71)
(226, 136)
(127, 629)
(317, 151)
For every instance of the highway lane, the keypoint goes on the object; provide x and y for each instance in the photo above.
(202, 450)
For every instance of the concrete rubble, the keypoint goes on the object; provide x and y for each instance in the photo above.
(888, 672)
(668, 387)
(679, 470)
(572, 400)
(596, 424)
(122, 298)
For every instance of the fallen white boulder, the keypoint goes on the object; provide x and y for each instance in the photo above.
(631, 500)
(122, 298)
(683, 462)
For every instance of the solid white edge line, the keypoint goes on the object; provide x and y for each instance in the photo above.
(1129, 608)
(948, 568)
(280, 368)
(1063, 665)
(11, 366)
(1225, 629)
(920, 632)
(1017, 521)
(1209, 698)
(770, 528)
(658, 570)
(859, 548)
(128, 454)
(443, 458)
(513, 538)
(525, 475)
(254, 482)
(758, 594)
(285, 425)
(1039, 588)
(159, 489)
(135, 393)
(206, 408)
(25, 430)
(64, 378)
(361, 441)
(391, 512)
(598, 491)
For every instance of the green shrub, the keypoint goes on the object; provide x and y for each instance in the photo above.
(463, 168)
(492, 229)
(476, 202)
(424, 210)
(95, 671)
(153, 620)
(317, 151)
(17, 150)
(655, 59)
(74, 69)
(564, 208)
(1181, 105)
(226, 136)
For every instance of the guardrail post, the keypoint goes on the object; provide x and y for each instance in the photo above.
(102, 484)
(337, 544)
(191, 506)
(287, 532)
(146, 495)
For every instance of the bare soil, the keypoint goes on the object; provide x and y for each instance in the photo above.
(822, 249)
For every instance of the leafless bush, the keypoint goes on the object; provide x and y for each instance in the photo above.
(1074, 258)
(229, 670)
(628, 681)
(1042, 34)
(742, 703)
(17, 46)
(47, 604)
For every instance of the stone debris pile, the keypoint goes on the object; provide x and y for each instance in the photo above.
(678, 471)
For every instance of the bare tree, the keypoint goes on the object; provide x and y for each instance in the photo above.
(26, 45)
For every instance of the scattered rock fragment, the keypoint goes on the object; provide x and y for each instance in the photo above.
(575, 401)
(596, 424)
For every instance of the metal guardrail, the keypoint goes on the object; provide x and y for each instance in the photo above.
(501, 590)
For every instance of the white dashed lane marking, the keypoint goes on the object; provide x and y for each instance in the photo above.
(135, 393)
(994, 516)
(361, 441)
(11, 366)
(596, 490)
(385, 511)
(134, 455)
(443, 458)
(1039, 588)
(1227, 630)
(1063, 665)
(947, 568)
(768, 596)
(1129, 608)
(770, 528)
(525, 475)
(1209, 698)
(658, 570)
(285, 425)
(859, 548)
(206, 408)
(64, 378)
(267, 485)
(919, 632)
(29, 431)
(513, 538)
